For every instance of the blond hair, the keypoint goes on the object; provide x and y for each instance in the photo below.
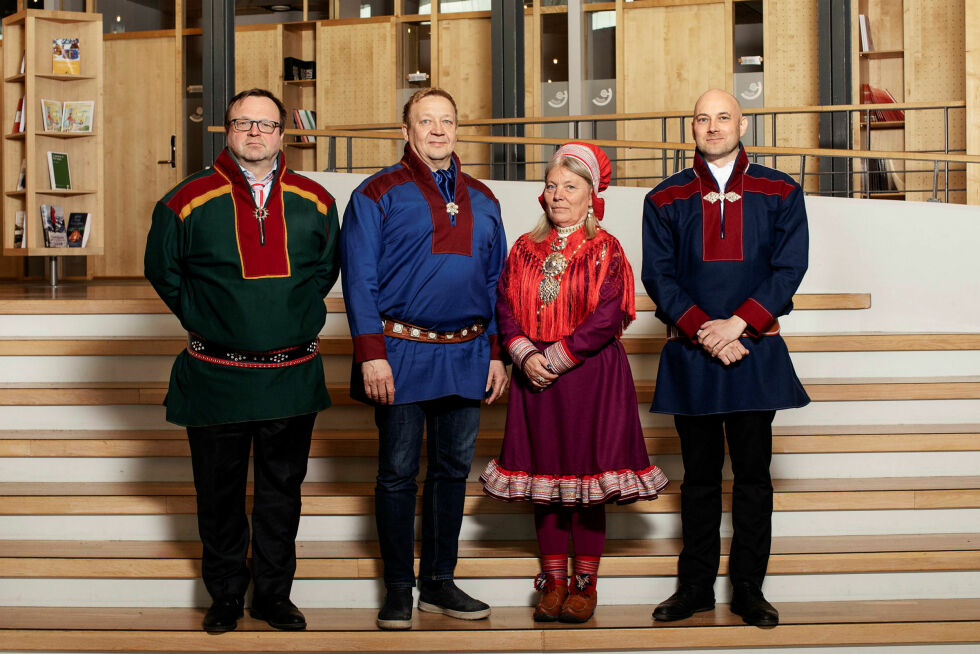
(543, 227)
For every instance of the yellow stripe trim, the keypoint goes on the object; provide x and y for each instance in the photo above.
(312, 197)
(201, 199)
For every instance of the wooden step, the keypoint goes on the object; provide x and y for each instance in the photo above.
(342, 345)
(510, 559)
(364, 442)
(357, 498)
(138, 297)
(883, 622)
(819, 390)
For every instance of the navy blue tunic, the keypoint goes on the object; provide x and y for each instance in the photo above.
(702, 262)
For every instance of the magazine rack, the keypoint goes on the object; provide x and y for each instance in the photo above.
(28, 74)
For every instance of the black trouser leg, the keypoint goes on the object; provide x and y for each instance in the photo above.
(219, 457)
(281, 452)
(703, 453)
(750, 448)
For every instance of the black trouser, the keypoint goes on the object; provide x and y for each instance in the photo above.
(219, 455)
(749, 437)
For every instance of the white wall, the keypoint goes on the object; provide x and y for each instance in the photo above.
(920, 261)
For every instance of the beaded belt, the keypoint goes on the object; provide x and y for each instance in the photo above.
(410, 332)
(674, 334)
(211, 352)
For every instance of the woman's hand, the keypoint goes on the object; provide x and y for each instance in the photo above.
(537, 371)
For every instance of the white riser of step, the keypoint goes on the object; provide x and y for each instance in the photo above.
(352, 469)
(496, 526)
(366, 593)
(122, 326)
(27, 369)
(361, 417)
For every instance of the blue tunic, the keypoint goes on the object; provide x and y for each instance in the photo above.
(406, 258)
(702, 263)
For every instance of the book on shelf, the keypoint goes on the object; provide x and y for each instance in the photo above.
(23, 62)
(20, 224)
(77, 229)
(866, 44)
(51, 115)
(304, 119)
(65, 57)
(53, 224)
(22, 176)
(298, 69)
(77, 116)
(69, 116)
(58, 170)
(19, 123)
(872, 95)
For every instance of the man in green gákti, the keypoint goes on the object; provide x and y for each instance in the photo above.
(243, 253)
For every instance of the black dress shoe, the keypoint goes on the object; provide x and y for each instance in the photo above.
(222, 616)
(445, 597)
(280, 613)
(687, 601)
(749, 602)
(396, 613)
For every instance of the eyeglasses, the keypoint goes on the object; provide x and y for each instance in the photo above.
(245, 125)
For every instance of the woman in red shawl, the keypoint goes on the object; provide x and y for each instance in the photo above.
(572, 441)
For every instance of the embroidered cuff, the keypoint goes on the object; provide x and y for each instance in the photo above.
(496, 352)
(520, 348)
(559, 357)
(755, 315)
(692, 319)
(368, 347)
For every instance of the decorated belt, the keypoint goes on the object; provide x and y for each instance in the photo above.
(674, 334)
(205, 350)
(410, 332)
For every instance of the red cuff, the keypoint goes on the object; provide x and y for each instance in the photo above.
(496, 352)
(757, 318)
(560, 358)
(692, 319)
(368, 347)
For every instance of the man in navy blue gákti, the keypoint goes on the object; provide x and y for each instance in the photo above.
(724, 249)
(422, 246)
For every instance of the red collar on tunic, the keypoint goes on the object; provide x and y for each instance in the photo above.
(721, 232)
(446, 237)
(260, 234)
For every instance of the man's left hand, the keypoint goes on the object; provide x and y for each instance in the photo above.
(496, 380)
(714, 335)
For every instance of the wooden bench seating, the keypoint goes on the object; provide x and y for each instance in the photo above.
(622, 558)
(507, 629)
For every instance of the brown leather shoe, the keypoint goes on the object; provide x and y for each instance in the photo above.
(580, 603)
(552, 598)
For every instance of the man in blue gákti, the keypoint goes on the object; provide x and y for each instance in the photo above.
(724, 249)
(422, 246)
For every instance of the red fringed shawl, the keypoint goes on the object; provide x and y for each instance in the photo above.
(596, 269)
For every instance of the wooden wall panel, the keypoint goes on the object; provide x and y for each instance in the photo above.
(935, 40)
(972, 67)
(258, 59)
(134, 181)
(469, 80)
(673, 55)
(791, 77)
(357, 62)
(10, 267)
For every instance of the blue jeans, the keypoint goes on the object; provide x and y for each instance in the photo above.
(451, 424)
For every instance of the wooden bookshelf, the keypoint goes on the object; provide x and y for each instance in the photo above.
(27, 37)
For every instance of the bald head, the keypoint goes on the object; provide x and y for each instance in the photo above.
(717, 99)
(718, 125)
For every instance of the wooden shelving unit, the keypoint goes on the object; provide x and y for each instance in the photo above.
(27, 37)
(884, 68)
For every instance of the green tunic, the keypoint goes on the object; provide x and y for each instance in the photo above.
(247, 284)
